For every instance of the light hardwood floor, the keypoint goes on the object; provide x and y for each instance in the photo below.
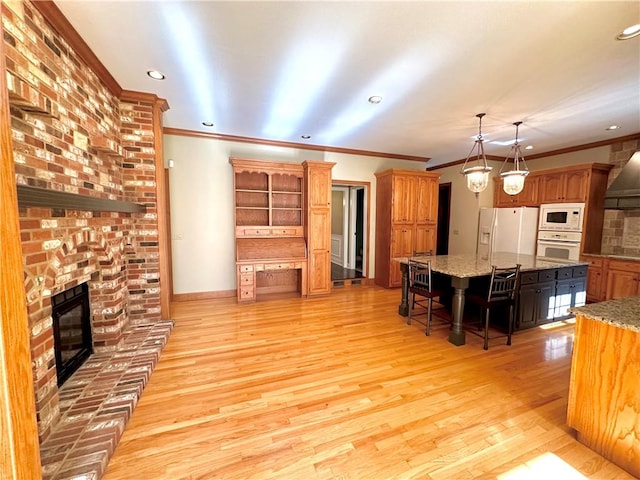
(341, 388)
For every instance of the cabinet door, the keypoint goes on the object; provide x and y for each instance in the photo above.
(319, 251)
(575, 186)
(401, 246)
(594, 284)
(546, 295)
(403, 199)
(319, 189)
(527, 306)
(427, 200)
(529, 194)
(621, 284)
(425, 238)
(552, 188)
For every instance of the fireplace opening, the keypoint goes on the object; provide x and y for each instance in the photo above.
(71, 330)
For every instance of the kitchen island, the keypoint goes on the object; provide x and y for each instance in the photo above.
(604, 391)
(463, 267)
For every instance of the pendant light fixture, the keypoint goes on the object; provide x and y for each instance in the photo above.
(513, 180)
(478, 175)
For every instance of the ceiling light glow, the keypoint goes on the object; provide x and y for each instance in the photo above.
(375, 99)
(155, 74)
(529, 147)
(306, 137)
(612, 127)
(629, 32)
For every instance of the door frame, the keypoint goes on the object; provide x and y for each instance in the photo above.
(350, 230)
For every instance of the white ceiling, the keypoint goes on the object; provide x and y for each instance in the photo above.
(279, 70)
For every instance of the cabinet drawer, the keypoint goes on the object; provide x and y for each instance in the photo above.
(279, 266)
(285, 232)
(547, 275)
(580, 271)
(245, 268)
(593, 262)
(565, 273)
(527, 278)
(247, 293)
(246, 279)
(254, 232)
(628, 266)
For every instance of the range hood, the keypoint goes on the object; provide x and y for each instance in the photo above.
(624, 192)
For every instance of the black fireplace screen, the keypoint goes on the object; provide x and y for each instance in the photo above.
(71, 330)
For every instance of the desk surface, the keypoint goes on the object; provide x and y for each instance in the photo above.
(472, 265)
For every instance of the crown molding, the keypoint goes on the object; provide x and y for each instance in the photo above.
(302, 146)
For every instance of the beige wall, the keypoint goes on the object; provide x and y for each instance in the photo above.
(201, 192)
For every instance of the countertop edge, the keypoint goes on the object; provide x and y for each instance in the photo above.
(622, 313)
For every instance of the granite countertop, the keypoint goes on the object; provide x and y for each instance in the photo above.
(623, 313)
(473, 265)
(613, 255)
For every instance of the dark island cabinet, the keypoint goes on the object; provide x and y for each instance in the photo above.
(547, 295)
(537, 289)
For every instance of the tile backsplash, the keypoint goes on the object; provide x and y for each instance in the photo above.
(621, 231)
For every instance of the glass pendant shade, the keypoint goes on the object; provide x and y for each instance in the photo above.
(477, 176)
(513, 180)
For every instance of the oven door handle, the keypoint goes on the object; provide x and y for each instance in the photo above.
(558, 242)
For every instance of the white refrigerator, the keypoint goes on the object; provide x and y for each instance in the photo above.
(507, 230)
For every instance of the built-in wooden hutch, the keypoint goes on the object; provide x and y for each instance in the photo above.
(276, 228)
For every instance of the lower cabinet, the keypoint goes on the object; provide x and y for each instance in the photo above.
(548, 295)
(537, 290)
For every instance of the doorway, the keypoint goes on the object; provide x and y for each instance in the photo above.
(349, 230)
(444, 216)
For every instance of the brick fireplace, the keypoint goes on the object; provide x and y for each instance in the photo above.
(86, 156)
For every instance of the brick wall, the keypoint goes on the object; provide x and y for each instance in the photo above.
(72, 134)
(621, 229)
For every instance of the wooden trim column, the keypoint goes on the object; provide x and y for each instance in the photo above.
(20, 451)
(164, 243)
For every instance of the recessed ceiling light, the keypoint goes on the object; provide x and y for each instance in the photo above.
(612, 127)
(529, 147)
(375, 99)
(629, 32)
(155, 74)
(207, 124)
(306, 137)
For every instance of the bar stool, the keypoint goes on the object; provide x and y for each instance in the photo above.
(422, 290)
(502, 293)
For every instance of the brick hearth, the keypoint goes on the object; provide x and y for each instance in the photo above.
(96, 404)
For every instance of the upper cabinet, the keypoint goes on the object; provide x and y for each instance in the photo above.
(527, 198)
(268, 198)
(570, 185)
(584, 183)
(404, 200)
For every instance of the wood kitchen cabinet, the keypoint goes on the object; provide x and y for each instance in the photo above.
(406, 219)
(596, 275)
(317, 188)
(528, 197)
(564, 186)
(623, 279)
